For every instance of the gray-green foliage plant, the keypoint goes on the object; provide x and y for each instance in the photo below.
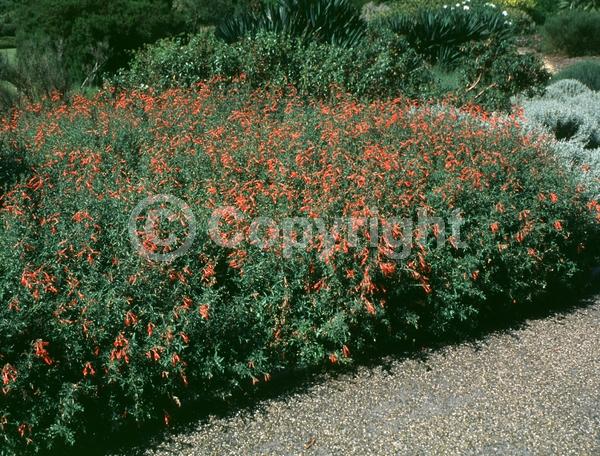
(568, 112)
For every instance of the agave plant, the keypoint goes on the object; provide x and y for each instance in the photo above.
(586, 5)
(439, 33)
(326, 21)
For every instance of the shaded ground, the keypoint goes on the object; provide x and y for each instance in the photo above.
(535, 390)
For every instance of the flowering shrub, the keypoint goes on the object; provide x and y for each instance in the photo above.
(90, 330)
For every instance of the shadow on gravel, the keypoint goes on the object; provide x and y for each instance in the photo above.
(134, 442)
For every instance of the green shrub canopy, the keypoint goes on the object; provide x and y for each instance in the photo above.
(587, 72)
(486, 218)
(575, 33)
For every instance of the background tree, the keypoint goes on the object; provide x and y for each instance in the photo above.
(199, 13)
(96, 36)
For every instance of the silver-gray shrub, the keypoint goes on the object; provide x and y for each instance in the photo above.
(569, 113)
(566, 88)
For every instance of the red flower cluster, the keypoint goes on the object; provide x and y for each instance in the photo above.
(94, 322)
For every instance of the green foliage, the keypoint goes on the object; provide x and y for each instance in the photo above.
(173, 62)
(587, 72)
(383, 66)
(495, 72)
(7, 42)
(585, 5)
(95, 36)
(12, 167)
(439, 33)
(524, 5)
(336, 22)
(199, 13)
(414, 6)
(8, 92)
(92, 332)
(543, 10)
(38, 70)
(7, 17)
(521, 11)
(574, 33)
(522, 21)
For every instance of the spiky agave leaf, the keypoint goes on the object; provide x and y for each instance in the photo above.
(586, 5)
(439, 33)
(325, 21)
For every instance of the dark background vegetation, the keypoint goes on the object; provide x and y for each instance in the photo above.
(67, 45)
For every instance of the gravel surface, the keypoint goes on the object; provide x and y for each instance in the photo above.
(535, 390)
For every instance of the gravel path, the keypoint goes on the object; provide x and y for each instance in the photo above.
(534, 390)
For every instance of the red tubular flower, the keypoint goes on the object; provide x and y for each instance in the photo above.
(81, 216)
(88, 369)
(426, 287)
(9, 374)
(22, 429)
(204, 311)
(346, 351)
(187, 303)
(41, 352)
(121, 345)
(388, 269)
(153, 354)
(131, 319)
